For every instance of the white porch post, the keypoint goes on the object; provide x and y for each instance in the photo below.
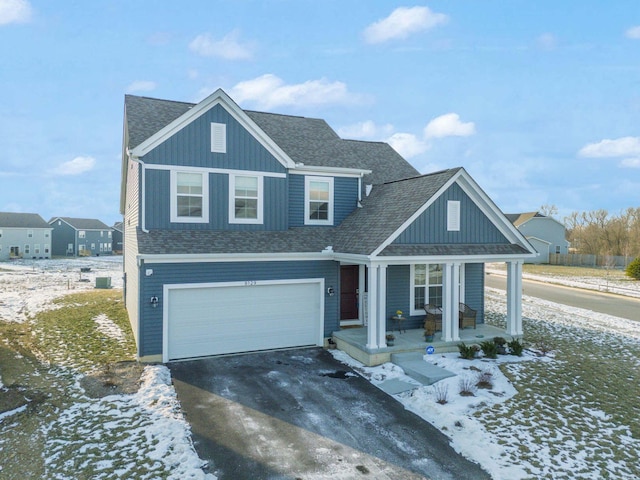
(450, 302)
(382, 305)
(372, 300)
(514, 298)
(361, 296)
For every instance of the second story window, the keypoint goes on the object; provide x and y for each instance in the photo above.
(318, 207)
(245, 202)
(82, 234)
(189, 197)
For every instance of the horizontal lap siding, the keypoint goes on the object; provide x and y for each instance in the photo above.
(431, 226)
(151, 318)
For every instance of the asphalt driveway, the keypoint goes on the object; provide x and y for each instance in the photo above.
(300, 414)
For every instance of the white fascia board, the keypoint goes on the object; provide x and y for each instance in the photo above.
(300, 169)
(413, 217)
(231, 257)
(219, 97)
(539, 239)
(227, 171)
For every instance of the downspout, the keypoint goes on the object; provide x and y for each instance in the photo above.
(142, 191)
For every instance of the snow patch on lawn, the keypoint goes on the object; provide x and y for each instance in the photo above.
(106, 326)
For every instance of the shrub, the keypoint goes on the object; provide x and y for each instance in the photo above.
(442, 393)
(516, 347)
(467, 387)
(633, 269)
(489, 348)
(468, 352)
(485, 380)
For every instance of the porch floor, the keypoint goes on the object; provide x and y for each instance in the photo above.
(353, 341)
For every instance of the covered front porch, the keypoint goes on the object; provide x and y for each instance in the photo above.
(353, 341)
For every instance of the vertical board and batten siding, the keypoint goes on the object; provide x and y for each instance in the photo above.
(130, 251)
(150, 342)
(158, 199)
(431, 226)
(191, 146)
(399, 293)
(62, 236)
(345, 199)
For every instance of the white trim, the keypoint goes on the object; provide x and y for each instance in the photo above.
(232, 257)
(301, 169)
(218, 137)
(307, 200)
(224, 171)
(259, 220)
(166, 288)
(174, 218)
(219, 97)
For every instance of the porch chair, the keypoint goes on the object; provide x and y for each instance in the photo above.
(467, 316)
(434, 317)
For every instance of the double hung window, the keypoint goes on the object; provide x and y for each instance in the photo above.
(245, 199)
(189, 196)
(318, 201)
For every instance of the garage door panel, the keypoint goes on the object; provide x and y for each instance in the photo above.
(213, 320)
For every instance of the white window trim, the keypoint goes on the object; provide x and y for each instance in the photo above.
(412, 295)
(232, 201)
(218, 138)
(307, 181)
(453, 215)
(174, 197)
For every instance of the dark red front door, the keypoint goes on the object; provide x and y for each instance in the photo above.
(348, 292)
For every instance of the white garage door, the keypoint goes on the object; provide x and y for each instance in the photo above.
(213, 319)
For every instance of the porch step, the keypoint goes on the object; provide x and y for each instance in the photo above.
(415, 367)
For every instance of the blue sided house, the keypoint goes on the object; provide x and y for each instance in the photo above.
(247, 231)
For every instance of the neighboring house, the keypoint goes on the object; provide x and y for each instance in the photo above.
(117, 238)
(80, 237)
(248, 231)
(24, 235)
(546, 234)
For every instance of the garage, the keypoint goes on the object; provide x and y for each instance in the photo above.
(218, 318)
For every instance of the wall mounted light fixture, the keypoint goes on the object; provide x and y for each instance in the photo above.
(154, 301)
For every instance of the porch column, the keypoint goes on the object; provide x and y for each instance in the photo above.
(372, 301)
(514, 298)
(382, 306)
(450, 302)
(361, 296)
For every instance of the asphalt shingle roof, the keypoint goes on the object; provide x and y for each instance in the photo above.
(22, 220)
(310, 141)
(84, 223)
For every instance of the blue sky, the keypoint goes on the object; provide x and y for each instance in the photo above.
(539, 101)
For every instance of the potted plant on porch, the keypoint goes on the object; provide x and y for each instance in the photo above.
(390, 339)
(429, 331)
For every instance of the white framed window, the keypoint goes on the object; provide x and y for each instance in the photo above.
(30, 233)
(218, 138)
(36, 249)
(93, 246)
(453, 215)
(109, 234)
(245, 199)
(189, 196)
(46, 248)
(318, 200)
(427, 286)
(27, 249)
(82, 234)
(101, 233)
(69, 247)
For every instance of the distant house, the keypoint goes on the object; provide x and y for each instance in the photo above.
(117, 238)
(546, 234)
(82, 237)
(24, 235)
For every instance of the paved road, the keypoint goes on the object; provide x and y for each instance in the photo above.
(616, 305)
(301, 414)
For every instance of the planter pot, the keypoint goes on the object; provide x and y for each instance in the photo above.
(428, 338)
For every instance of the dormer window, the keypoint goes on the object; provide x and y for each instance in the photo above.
(189, 197)
(318, 201)
(218, 138)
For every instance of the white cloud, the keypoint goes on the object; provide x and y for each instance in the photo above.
(407, 144)
(449, 125)
(630, 163)
(76, 166)
(15, 11)
(269, 91)
(228, 48)
(547, 41)
(403, 22)
(620, 147)
(633, 33)
(141, 86)
(367, 129)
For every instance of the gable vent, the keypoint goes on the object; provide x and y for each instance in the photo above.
(453, 215)
(218, 138)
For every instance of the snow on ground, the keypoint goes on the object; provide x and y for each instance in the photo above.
(106, 326)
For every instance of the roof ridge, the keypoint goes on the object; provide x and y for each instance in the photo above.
(424, 175)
